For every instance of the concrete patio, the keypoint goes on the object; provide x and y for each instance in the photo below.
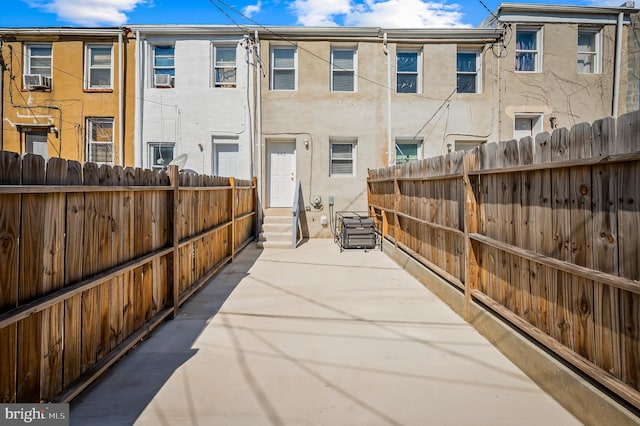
(313, 336)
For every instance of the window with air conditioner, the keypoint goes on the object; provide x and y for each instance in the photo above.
(38, 65)
(99, 66)
(100, 140)
(342, 161)
(164, 66)
(224, 66)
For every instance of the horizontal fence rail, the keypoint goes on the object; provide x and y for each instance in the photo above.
(542, 231)
(93, 257)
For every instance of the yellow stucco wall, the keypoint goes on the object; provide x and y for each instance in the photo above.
(68, 104)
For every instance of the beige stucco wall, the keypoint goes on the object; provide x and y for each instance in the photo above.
(559, 90)
(437, 115)
(67, 94)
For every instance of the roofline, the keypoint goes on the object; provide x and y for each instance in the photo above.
(529, 12)
(337, 32)
(49, 31)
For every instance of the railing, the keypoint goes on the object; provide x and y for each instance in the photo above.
(296, 232)
(92, 258)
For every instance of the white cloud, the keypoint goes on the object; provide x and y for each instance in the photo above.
(320, 12)
(374, 13)
(251, 9)
(89, 12)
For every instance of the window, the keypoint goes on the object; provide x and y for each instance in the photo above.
(39, 59)
(468, 69)
(408, 149)
(527, 125)
(100, 140)
(528, 50)
(588, 51)
(343, 70)
(163, 66)
(407, 74)
(283, 69)
(160, 155)
(36, 143)
(224, 66)
(98, 69)
(343, 158)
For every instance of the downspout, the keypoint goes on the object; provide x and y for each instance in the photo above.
(390, 145)
(120, 99)
(259, 123)
(2, 69)
(618, 61)
(138, 153)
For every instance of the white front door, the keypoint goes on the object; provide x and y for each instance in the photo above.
(281, 163)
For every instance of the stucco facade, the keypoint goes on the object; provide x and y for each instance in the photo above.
(193, 117)
(68, 93)
(562, 87)
(375, 116)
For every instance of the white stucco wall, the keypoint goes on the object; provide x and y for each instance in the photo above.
(193, 113)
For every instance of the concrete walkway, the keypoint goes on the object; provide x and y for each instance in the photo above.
(315, 337)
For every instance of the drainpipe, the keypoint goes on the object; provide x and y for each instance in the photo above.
(139, 82)
(2, 68)
(120, 99)
(390, 145)
(618, 60)
(259, 123)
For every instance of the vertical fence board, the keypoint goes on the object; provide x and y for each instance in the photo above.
(74, 252)
(10, 174)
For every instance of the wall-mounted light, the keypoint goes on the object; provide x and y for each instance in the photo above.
(306, 142)
(553, 121)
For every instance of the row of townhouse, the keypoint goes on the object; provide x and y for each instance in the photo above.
(318, 105)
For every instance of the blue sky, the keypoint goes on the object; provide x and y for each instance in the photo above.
(382, 13)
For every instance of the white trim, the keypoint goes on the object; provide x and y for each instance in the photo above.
(597, 32)
(354, 70)
(418, 72)
(295, 67)
(538, 50)
(87, 65)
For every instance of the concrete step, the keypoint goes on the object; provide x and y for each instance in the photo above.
(277, 220)
(274, 236)
(274, 244)
(277, 227)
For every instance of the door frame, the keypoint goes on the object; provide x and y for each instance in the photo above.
(269, 145)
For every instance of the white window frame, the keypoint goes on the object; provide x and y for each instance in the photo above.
(597, 53)
(90, 123)
(274, 69)
(536, 127)
(28, 59)
(150, 152)
(417, 73)
(216, 66)
(418, 141)
(354, 157)
(477, 72)
(537, 51)
(353, 70)
(88, 67)
(171, 69)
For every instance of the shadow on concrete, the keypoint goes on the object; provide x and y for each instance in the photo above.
(128, 387)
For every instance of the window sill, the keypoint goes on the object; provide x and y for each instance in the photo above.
(98, 90)
(36, 90)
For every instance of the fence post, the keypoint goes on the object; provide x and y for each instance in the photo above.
(232, 182)
(470, 226)
(173, 178)
(396, 198)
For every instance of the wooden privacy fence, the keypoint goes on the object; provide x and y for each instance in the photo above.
(544, 232)
(92, 258)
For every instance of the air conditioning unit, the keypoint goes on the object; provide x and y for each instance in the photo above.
(162, 80)
(36, 81)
